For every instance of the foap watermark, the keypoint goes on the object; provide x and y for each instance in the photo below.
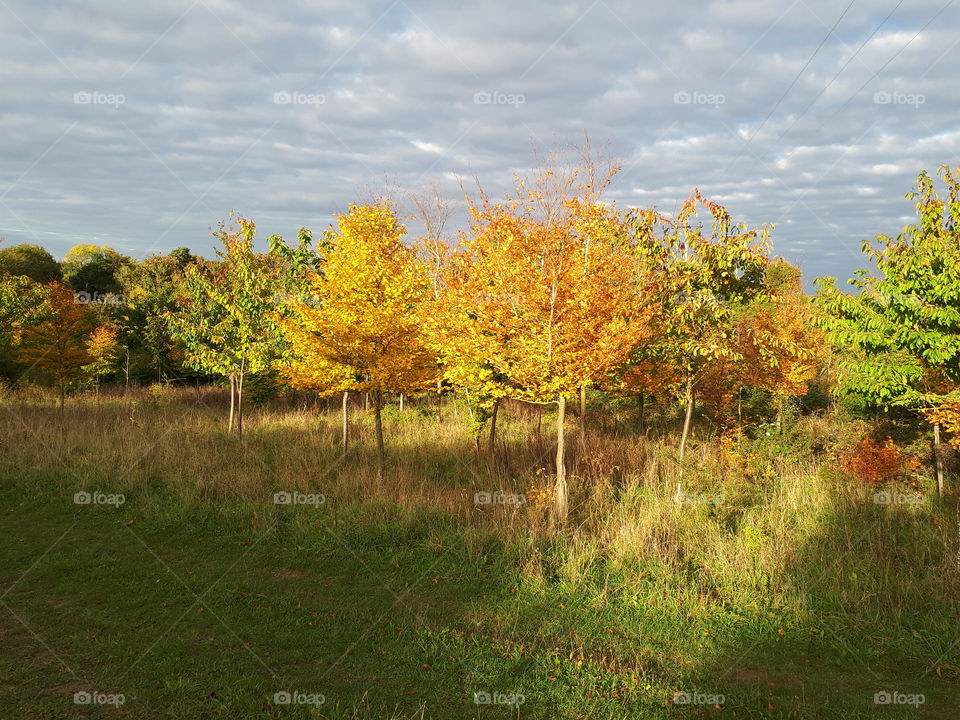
(98, 498)
(85, 697)
(298, 498)
(94, 97)
(498, 498)
(295, 97)
(296, 697)
(895, 97)
(888, 697)
(685, 498)
(492, 697)
(882, 497)
(85, 298)
(495, 97)
(290, 298)
(695, 97)
(695, 698)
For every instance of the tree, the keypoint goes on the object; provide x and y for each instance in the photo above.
(365, 330)
(224, 317)
(31, 261)
(104, 352)
(900, 333)
(542, 297)
(148, 295)
(57, 347)
(776, 342)
(709, 276)
(93, 270)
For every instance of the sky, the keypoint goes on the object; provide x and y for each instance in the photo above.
(139, 125)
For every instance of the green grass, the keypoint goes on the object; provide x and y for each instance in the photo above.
(793, 599)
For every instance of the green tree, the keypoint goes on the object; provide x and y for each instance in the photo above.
(31, 261)
(899, 334)
(709, 275)
(224, 317)
(93, 270)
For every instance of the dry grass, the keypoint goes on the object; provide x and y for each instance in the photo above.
(751, 519)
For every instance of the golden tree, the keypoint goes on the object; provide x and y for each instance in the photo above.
(541, 298)
(365, 330)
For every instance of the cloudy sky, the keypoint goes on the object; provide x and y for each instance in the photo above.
(140, 124)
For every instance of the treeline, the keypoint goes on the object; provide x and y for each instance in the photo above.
(547, 294)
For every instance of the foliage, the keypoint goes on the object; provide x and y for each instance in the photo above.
(57, 348)
(535, 305)
(876, 461)
(30, 261)
(93, 270)
(224, 316)
(365, 330)
(899, 336)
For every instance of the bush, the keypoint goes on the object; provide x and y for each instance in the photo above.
(873, 461)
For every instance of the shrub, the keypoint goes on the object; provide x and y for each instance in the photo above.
(875, 461)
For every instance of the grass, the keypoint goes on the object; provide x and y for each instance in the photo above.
(777, 583)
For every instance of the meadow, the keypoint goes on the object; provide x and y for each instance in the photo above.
(756, 579)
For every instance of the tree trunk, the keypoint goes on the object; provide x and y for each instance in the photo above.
(233, 385)
(583, 404)
(689, 398)
(366, 402)
(642, 406)
(63, 397)
(560, 490)
(346, 430)
(401, 402)
(240, 401)
(937, 464)
(378, 423)
(492, 440)
(126, 374)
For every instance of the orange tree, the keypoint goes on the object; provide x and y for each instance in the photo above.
(364, 330)
(538, 304)
(57, 348)
(776, 342)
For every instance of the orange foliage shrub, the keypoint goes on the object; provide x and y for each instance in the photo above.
(873, 461)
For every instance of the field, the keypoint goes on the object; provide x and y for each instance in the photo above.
(771, 586)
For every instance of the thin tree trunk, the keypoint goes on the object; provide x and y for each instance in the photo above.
(686, 421)
(233, 384)
(492, 440)
(126, 374)
(401, 402)
(366, 402)
(938, 465)
(740, 407)
(240, 400)
(560, 490)
(643, 411)
(346, 429)
(63, 397)
(378, 423)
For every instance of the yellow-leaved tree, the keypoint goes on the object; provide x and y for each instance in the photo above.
(543, 297)
(363, 328)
